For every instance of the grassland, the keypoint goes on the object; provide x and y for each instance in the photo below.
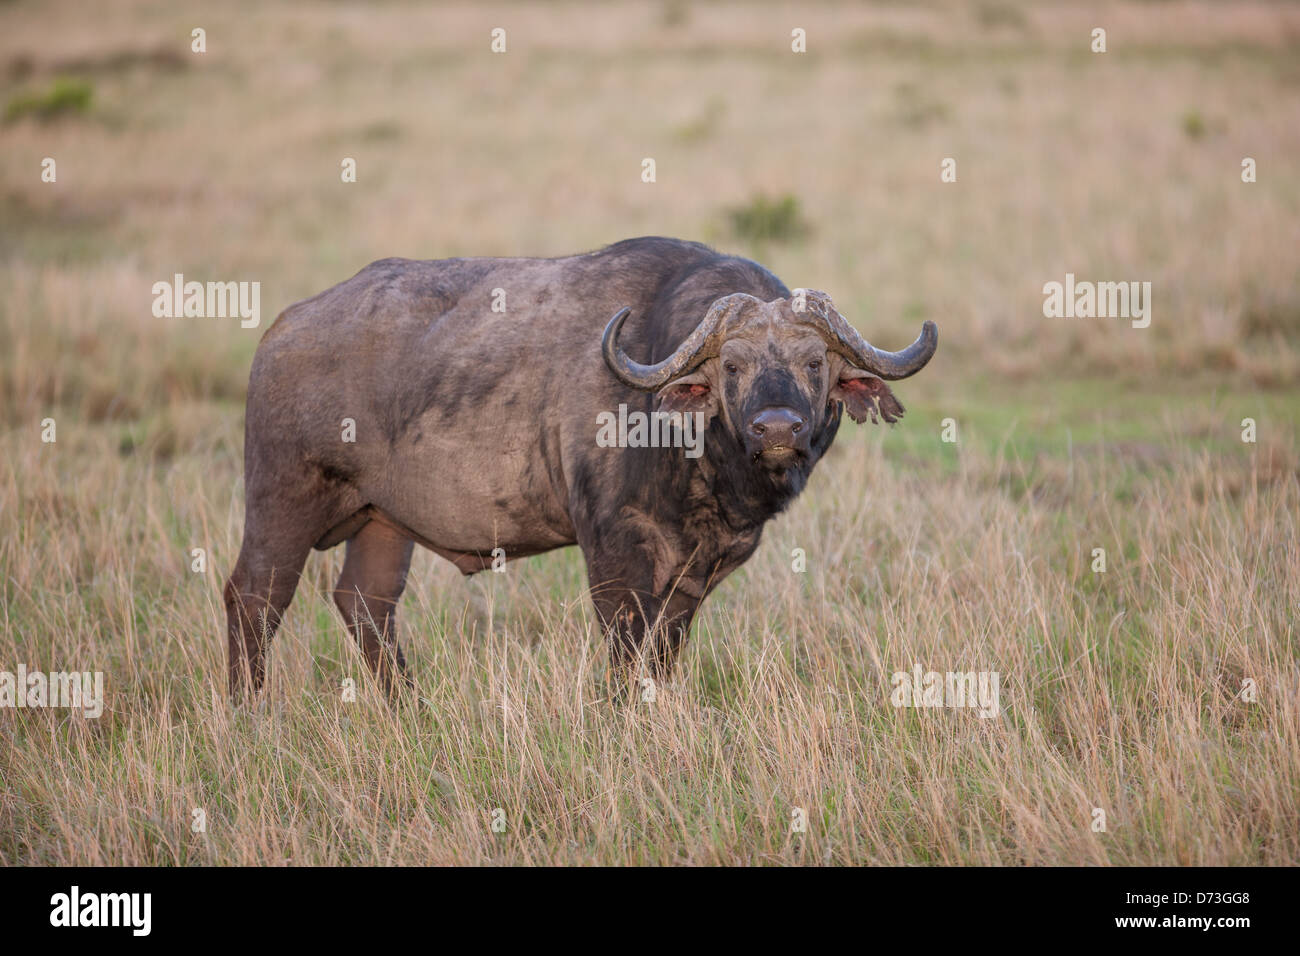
(1120, 691)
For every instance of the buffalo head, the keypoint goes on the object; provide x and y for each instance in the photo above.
(774, 372)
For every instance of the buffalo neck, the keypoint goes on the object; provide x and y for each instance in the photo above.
(747, 494)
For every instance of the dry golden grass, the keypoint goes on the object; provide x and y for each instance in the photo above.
(1119, 691)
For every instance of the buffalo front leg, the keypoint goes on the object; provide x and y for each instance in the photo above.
(645, 633)
(374, 576)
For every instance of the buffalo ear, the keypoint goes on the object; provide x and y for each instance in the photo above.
(863, 394)
(689, 393)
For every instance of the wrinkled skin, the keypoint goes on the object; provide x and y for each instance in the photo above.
(476, 430)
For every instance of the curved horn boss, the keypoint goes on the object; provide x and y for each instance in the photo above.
(701, 345)
(843, 338)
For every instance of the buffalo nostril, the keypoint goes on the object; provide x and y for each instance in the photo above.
(776, 427)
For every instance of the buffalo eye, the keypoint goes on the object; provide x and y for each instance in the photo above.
(815, 365)
(731, 368)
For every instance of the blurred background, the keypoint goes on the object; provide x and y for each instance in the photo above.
(225, 165)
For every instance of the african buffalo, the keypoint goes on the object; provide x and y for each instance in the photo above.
(471, 391)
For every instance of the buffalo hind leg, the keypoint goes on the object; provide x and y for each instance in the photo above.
(280, 528)
(256, 596)
(373, 578)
